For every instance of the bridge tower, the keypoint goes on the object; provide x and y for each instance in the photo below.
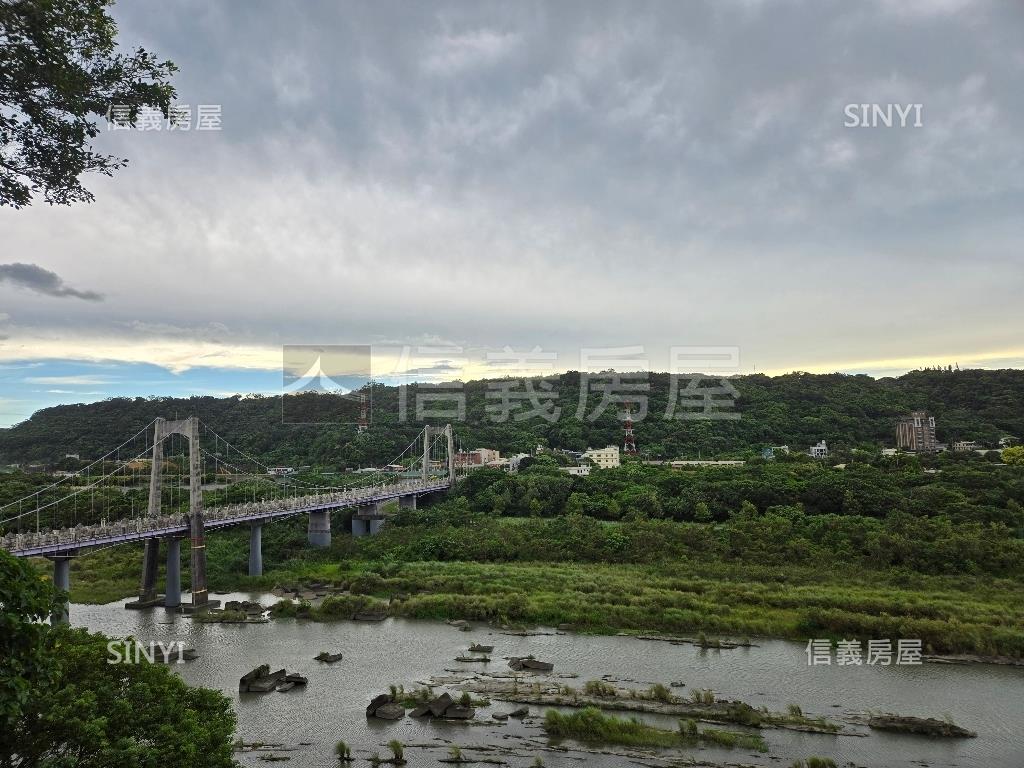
(163, 429)
(426, 453)
(151, 553)
(450, 436)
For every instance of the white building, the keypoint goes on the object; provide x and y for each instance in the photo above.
(605, 458)
(577, 471)
(280, 470)
(963, 446)
(513, 461)
(819, 451)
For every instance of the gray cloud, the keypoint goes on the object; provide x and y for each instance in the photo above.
(562, 175)
(34, 278)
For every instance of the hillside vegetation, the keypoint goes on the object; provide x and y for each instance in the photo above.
(797, 409)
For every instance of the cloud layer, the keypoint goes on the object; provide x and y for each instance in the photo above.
(560, 175)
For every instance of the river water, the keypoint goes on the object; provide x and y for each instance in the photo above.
(986, 699)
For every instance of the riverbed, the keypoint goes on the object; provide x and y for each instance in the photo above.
(309, 721)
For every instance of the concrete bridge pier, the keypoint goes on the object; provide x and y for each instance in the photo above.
(407, 502)
(150, 558)
(319, 531)
(367, 520)
(62, 581)
(172, 589)
(148, 596)
(256, 547)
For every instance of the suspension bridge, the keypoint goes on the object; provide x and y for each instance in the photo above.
(63, 520)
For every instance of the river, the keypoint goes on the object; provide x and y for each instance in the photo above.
(984, 698)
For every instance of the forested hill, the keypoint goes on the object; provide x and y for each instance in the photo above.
(796, 409)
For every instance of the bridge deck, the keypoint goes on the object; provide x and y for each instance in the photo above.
(69, 540)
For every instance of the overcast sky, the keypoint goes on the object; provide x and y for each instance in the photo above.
(556, 175)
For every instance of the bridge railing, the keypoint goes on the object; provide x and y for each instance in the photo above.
(82, 535)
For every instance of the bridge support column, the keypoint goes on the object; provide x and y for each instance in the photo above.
(256, 548)
(319, 531)
(172, 588)
(148, 596)
(62, 581)
(407, 502)
(367, 520)
(150, 558)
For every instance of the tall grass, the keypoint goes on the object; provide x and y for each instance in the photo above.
(592, 726)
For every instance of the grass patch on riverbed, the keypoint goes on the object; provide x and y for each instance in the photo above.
(950, 614)
(592, 726)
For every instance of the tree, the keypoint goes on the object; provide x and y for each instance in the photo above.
(702, 513)
(1014, 455)
(60, 72)
(25, 601)
(576, 504)
(72, 707)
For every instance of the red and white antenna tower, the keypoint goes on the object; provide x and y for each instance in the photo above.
(628, 441)
(364, 421)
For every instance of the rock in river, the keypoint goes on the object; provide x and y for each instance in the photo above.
(260, 680)
(518, 664)
(926, 726)
(440, 704)
(377, 702)
(390, 711)
(328, 657)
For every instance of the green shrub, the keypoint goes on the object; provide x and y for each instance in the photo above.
(659, 692)
(599, 688)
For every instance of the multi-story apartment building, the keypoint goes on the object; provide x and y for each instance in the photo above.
(479, 457)
(916, 432)
(605, 458)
